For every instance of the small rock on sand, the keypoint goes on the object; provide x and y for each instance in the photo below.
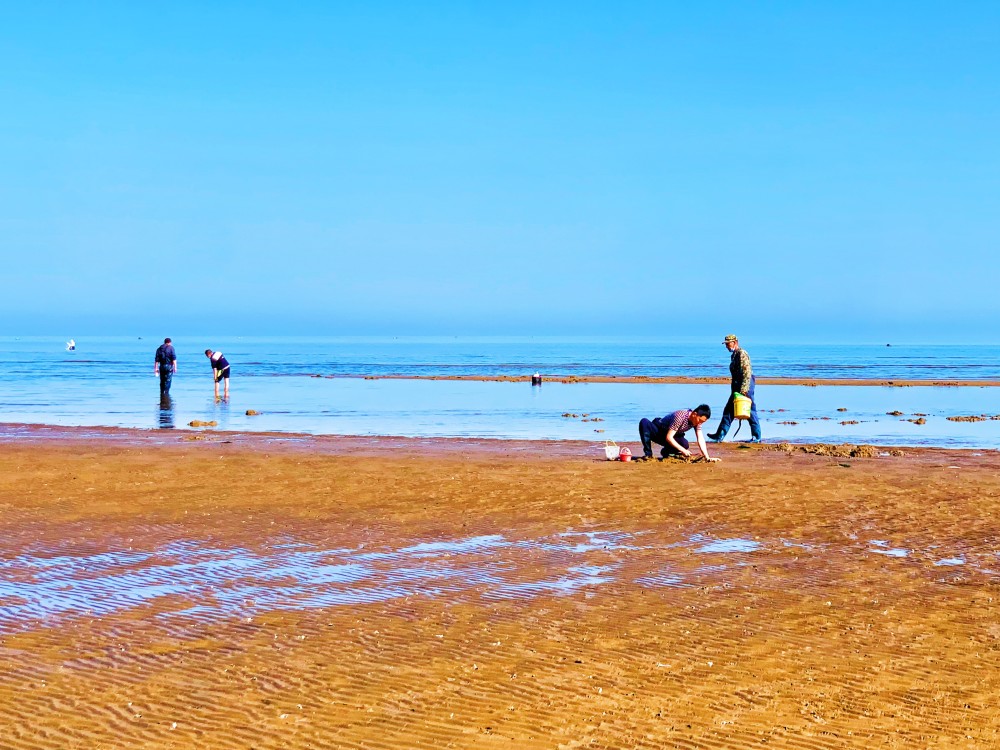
(865, 451)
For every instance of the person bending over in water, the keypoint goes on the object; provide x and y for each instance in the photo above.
(669, 432)
(220, 371)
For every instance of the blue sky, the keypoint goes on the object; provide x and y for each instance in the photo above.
(788, 170)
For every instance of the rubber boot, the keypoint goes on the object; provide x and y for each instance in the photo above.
(716, 437)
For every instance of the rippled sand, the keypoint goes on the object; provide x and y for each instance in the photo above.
(238, 592)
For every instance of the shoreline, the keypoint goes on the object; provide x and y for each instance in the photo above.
(680, 380)
(12, 434)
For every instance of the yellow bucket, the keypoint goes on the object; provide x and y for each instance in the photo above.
(741, 406)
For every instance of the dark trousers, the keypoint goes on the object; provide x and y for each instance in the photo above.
(166, 375)
(654, 431)
(728, 411)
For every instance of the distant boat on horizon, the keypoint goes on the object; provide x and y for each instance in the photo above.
(71, 346)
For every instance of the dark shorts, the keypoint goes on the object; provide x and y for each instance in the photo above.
(220, 374)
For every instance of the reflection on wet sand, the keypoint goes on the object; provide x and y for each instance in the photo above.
(205, 582)
(165, 414)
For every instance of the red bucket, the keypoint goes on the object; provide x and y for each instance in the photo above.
(624, 455)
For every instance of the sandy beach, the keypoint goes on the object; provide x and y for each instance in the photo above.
(320, 321)
(231, 591)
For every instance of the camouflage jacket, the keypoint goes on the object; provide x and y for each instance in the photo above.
(740, 371)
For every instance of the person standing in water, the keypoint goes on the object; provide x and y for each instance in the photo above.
(220, 371)
(165, 365)
(741, 381)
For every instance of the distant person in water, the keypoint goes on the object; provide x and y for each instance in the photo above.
(741, 381)
(669, 432)
(220, 371)
(165, 365)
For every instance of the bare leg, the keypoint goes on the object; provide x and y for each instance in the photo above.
(225, 393)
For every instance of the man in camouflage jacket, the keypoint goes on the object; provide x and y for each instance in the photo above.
(742, 381)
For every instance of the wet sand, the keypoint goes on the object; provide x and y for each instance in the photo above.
(233, 591)
(684, 380)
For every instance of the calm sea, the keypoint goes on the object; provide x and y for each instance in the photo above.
(109, 381)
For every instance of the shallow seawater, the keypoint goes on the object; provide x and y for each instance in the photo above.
(192, 579)
(109, 382)
(112, 358)
(597, 411)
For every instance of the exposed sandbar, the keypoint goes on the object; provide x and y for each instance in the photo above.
(683, 379)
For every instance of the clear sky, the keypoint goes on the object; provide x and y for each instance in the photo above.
(782, 169)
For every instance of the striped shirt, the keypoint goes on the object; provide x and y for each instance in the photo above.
(679, 420)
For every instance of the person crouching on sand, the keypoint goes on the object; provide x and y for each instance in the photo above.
(220, 371)
(669, 432)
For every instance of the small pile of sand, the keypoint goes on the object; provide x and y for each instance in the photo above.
(835, 451)
(865, 451)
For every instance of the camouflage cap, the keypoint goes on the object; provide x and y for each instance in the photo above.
(730, 337)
